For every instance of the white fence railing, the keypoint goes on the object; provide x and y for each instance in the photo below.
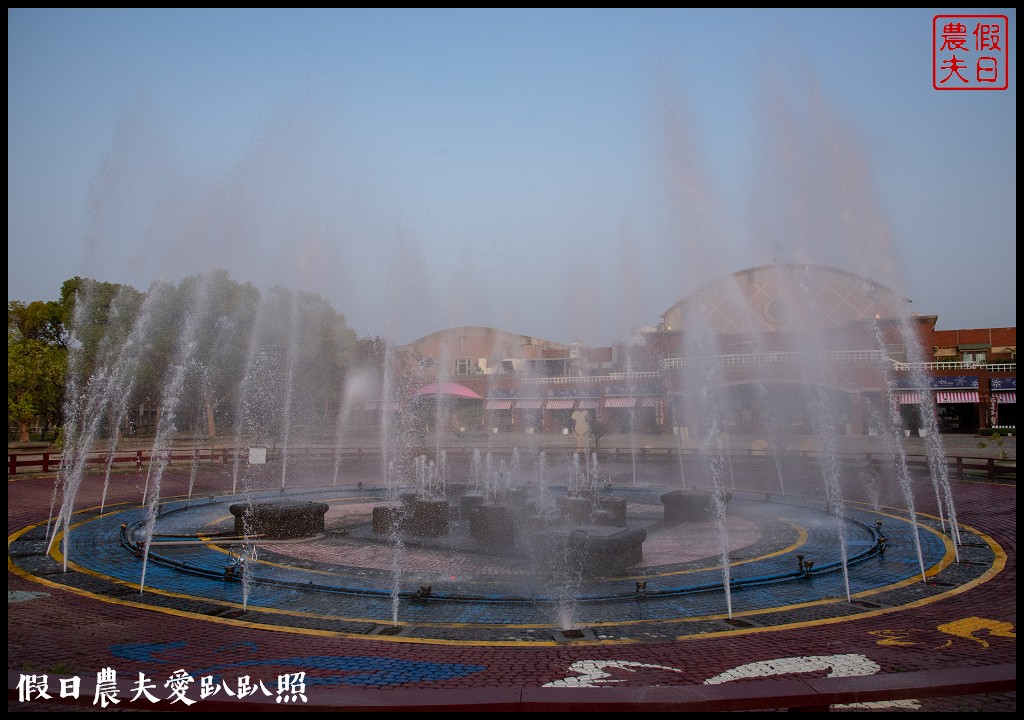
(772, 358)
(829, 356)
(613, 377)
(777, 358)
(991, 367)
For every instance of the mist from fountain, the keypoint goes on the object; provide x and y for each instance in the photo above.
(243, 413)
(193, 472)
(576, 479)
(123, 387)
(170, 404)
(110, 383)
(817, 206)
(395, 448)
(504, 479)
(683, 446)
(358, 387)
(829, 462)
(544, 502)
(289, 385)
(938, 470)
(515, 471)
(267, 387)
(567, 583)
(774, 445)
(391, 436)
(245, 563)
(890, 424)
(490, 484)
(476, 471)
(713, 453)
(442, 473)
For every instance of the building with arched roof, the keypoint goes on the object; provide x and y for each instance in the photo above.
(771, 298)
(770, 344)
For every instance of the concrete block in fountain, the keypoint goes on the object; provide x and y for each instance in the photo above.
(281, 519)
(429, 518)
(469, 503)
(595, 550)
(455, 490)
(577, 510)
(493, 525)
(611, 511)
(517, 497)
(690, 505)
(388, 518)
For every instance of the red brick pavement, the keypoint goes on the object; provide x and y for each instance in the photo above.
(64, 633)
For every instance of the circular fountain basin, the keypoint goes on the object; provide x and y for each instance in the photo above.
(653, 578)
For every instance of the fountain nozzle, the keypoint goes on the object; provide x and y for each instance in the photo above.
(804, 565)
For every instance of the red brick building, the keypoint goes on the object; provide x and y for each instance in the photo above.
(766, 346)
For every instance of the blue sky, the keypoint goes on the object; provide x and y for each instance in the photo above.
(568, 174)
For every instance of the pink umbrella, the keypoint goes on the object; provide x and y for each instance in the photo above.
(454, 389)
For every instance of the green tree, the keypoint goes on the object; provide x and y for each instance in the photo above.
(225, 347)
(99, 317)
(37, 341)
(35, 383)
(38, 320)
(598, 429)
(326, 347)
(995, 441)
(206, 332)
(370, 353)
(223, 312)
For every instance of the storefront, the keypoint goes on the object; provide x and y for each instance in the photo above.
(1003, 403)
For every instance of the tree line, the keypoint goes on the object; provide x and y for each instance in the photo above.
(213, 351)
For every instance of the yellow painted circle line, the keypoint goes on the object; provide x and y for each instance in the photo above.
(998, 565)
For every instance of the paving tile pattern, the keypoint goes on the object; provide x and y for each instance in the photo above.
(94, 616)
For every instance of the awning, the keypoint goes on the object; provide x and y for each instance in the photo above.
(651, 402)
(956, 396)
(588, 404)
(453, 389)
(911, 397)
(620, 402)
(498, 405)
(560, 404)
(528, 404)
(1005, 397)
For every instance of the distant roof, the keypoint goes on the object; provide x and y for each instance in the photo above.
(448, 389)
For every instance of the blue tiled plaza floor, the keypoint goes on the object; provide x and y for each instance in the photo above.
(344, 609)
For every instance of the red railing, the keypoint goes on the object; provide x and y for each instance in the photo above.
(46, 462)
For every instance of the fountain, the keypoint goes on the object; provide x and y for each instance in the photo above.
(559, 529)
(762, 375)
(364, 575)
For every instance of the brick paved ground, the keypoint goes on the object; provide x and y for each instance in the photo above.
(966, 618)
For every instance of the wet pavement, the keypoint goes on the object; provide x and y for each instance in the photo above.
(347, 610)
